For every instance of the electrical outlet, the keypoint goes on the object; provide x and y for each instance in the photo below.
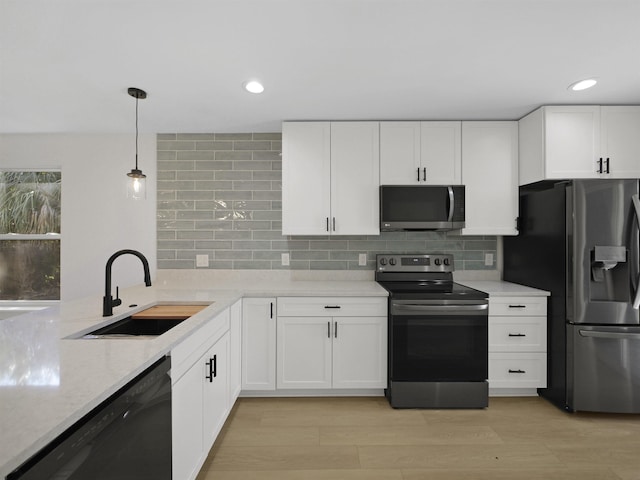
(202, 260)
(362, 259)
(285, 259)
(488, 259)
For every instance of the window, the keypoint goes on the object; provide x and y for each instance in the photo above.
(30, 235)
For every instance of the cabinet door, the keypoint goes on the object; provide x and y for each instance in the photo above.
(440, 153)
(400, 153)
(620, 140)
(306, 173)
(186, 423)
(572, 141)
(360, 352)
(355, 178)
(235, 351)
(215, 368)
(259, 344)
(304, 352)
(490, 176)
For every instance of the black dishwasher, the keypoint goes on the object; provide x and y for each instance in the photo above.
(126, 437)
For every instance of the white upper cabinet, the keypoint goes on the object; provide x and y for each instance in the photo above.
(490, 176)
(620, 141)
(306, 177)
(355, 178)
(580, 141)
(426, 153)
(330, 178)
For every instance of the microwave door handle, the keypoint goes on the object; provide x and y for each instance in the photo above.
(451, 203)
(636, 206)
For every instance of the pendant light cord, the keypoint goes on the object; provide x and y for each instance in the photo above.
(136, 133)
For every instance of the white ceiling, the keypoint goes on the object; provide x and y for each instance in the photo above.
(66, 64)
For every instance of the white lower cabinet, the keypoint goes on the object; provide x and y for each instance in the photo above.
(200, 373)
(258, 344)
(329, 342)
(235, 351)
(517, 344)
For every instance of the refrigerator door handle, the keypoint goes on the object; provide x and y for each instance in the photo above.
(636, 206)
(612, 335)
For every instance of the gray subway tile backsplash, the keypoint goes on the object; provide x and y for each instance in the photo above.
(219, 194)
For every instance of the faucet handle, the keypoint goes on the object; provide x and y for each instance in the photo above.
(116, 301)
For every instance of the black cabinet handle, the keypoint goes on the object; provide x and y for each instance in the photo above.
(424, 174)
(209, 376)
(600, 165)
(328, 329)
(327, 224)
(517, 335)
(418, 173)
(335, 329)
(334, 224)
(271, 311)
(607, 163)
(332, 306)
(517, 306)
(517, 371)
(215, 365)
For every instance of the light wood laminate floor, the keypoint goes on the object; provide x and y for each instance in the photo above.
(365, 439)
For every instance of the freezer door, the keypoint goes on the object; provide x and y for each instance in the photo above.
(603, 368)
(603, 239)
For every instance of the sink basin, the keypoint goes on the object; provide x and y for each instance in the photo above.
(135, 327)
(151, 322)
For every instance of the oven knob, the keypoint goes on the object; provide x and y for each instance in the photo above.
(437, 262)
(392, 261)
(383, 261)
(446, 261)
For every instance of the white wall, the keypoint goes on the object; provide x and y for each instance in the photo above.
(97, 218)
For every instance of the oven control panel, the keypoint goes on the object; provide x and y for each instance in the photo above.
(436, 262)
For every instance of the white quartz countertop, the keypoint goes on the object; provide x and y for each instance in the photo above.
(49, 381)
(504, 289)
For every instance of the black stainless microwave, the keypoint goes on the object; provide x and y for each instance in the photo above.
(421, 207)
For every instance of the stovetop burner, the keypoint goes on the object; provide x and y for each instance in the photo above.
(409, 276)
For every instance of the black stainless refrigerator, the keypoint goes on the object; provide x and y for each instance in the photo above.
(579, 240)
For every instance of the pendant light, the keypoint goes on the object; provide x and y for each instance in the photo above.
(136, 186)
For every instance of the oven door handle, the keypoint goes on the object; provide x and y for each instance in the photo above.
(438, 309)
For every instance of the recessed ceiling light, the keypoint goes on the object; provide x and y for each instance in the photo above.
(253, 86)
(583, 84)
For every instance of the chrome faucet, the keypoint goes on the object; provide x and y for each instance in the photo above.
(108, 302)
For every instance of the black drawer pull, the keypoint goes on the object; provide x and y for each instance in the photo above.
(517, 371)
(517, 335)
(332, 306)
(517, 306)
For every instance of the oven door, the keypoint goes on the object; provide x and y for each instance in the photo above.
(439, 341)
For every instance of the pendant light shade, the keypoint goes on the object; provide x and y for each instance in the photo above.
(136, 185)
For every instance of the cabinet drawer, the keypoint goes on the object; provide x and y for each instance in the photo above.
(518, 306)
(332, 306)
(186, 353)
(517, 370)
(517, 334)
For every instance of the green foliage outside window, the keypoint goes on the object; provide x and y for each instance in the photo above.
(29, 205)
(30, 202)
